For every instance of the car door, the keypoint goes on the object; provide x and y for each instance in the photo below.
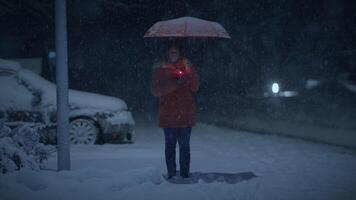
(16, 101)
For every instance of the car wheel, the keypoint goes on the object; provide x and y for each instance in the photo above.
(129, 137)
(83, 131)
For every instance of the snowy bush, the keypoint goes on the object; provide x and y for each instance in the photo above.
(21, 148)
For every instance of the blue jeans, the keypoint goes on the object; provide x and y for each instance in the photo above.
(182, 135)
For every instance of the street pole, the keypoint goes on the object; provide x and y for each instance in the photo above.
(63, 146)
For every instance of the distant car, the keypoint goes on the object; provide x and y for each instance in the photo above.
(26, 97)
(348, 80)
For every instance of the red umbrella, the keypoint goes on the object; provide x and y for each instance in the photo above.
(187, 27)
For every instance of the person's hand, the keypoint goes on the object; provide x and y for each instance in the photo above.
(181, 80)
(181, 76)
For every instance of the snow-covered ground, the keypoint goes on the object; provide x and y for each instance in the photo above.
(286, 169)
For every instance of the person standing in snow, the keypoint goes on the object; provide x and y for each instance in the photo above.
(174, 80)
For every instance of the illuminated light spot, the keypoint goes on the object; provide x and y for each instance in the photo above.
(275, 88)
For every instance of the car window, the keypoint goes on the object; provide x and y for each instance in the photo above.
(14, 95)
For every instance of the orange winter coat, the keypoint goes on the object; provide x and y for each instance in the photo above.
(177, 107)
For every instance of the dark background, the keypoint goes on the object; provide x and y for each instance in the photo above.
(289, 41)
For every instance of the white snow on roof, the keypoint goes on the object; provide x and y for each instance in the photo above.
(15, 94)
(78, 99)
(9, 64)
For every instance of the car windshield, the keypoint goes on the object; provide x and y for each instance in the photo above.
(14, 95)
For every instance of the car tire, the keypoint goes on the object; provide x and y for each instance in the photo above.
(129, 137)
(83, 131)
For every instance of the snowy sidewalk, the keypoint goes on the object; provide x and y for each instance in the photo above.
(286, 169)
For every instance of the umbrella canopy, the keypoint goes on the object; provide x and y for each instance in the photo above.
(187, 27)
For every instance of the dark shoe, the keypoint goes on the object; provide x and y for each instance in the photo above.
(185, 175)
(170, 176)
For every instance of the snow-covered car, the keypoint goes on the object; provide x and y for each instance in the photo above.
(26, 97)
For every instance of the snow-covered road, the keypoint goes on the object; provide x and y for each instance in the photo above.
(286, 169)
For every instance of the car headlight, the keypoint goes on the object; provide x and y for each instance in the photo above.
(275, 88)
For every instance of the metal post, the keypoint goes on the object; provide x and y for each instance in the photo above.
(63, 146)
